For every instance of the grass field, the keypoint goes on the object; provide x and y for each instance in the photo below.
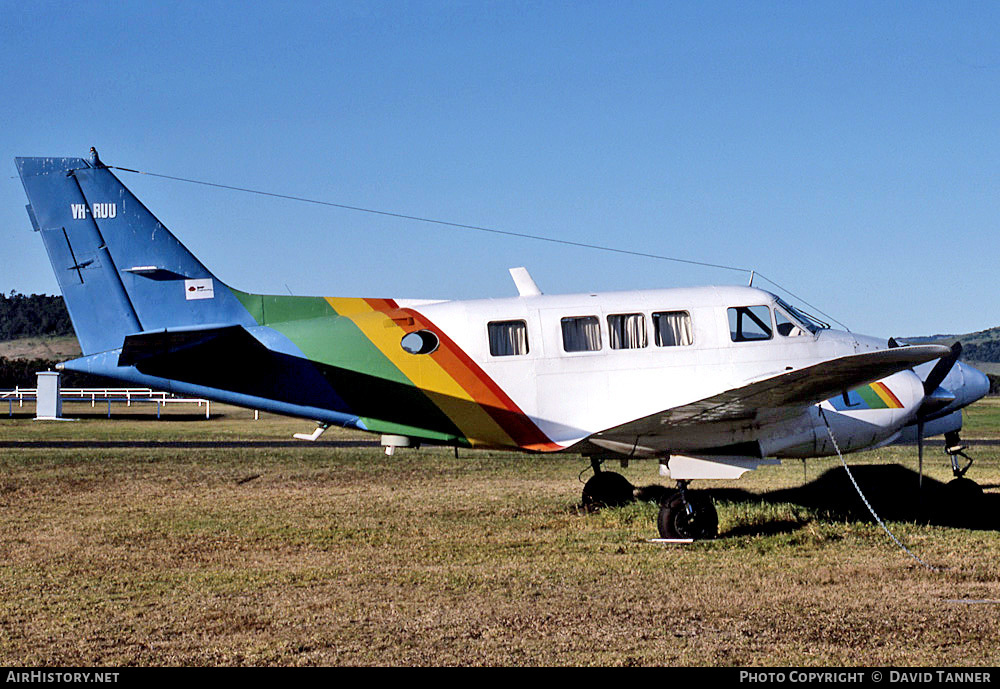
(64, 347)
(144, 553)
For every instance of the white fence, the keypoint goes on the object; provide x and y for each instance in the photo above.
(104, 396)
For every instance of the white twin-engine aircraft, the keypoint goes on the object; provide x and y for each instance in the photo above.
(710, 381)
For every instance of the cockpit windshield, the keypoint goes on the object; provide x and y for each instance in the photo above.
(810, 323)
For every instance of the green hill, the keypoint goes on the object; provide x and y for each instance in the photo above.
(976, 338)
(980, 349)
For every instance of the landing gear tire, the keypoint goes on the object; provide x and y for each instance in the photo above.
(607, 489)
(696, 518)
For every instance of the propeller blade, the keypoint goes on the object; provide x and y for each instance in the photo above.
(941, 369)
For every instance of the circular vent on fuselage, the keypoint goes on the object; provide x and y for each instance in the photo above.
(420, 342)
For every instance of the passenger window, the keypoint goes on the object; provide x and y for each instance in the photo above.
(749, 323)
(581, 334)
(627, 331)
(785, 327)
(508, 338)
(672, 329)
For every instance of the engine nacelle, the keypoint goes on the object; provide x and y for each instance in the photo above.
(865, 417)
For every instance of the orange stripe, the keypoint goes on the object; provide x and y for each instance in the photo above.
(384, 324)
(468, 376)
(484, 390)
(883, 391)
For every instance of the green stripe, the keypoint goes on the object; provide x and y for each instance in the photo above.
(336, 341)
(268, 309)
(870, 397)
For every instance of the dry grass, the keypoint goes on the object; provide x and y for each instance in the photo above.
(169, 555)
(64, 347)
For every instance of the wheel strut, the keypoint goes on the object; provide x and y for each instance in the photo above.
(955, 449)
(682, 486)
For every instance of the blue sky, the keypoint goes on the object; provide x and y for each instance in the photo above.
(849, 151)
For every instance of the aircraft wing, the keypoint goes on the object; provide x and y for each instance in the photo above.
(788, 390)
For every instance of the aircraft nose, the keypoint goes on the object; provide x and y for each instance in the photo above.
(975, 383)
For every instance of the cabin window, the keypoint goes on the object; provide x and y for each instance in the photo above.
(508, 338)
(785, 326)
(627, 331)
(672, 329)
(581, 334)
(420, 342)
(750, 323)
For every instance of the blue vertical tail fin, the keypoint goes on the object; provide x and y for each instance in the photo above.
(120, 270)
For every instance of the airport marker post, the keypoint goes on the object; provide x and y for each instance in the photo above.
(48, 402)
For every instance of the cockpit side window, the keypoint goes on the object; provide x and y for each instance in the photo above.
(800, 317)
(785, 326)
(750, 323)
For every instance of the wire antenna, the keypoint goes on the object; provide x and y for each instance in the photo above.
(478, 228)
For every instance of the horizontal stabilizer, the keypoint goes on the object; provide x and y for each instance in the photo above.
(152, 346)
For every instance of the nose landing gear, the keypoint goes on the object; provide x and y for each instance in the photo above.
(955, 449)
(687, 514)
(963, 496)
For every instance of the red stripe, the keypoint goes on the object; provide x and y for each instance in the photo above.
(885, 388)
(484, 390)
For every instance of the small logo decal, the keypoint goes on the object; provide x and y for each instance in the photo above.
(199, 289)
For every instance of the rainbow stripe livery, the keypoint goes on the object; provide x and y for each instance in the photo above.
(712, 381)
(451, 396)
(873, 396)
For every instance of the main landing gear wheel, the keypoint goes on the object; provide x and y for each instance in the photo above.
(607, 489)
(688, 515)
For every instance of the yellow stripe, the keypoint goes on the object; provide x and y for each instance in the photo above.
(423, 371)
(348, 307)
(879, 389)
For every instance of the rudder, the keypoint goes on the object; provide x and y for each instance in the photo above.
(120, 270)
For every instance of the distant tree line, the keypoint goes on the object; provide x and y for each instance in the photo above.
(24, 315)
(36, 315)
(21, 373)
(982, 351)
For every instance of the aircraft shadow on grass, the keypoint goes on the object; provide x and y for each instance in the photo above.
(891, 489)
